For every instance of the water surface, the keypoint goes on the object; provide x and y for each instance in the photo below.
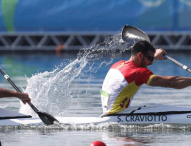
(61, 88)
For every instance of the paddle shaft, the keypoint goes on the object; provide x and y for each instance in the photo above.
(178, 63)
(17, 89)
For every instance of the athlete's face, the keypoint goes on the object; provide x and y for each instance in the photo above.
(147, 59)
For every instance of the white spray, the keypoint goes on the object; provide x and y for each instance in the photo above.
(51, 91)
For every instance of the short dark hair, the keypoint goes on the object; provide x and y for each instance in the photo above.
(142, 46)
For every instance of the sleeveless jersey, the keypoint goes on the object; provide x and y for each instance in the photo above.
(120, 85)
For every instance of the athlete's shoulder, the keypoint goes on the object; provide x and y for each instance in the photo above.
(143, 72)
(144, 69)
(115, 65)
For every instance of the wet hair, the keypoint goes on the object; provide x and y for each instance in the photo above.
(142, 46)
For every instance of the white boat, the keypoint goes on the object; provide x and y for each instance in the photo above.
(151, 114)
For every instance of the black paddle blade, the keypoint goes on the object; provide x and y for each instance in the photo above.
(47, 118)
(132, 35)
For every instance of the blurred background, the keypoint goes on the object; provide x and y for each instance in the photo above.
(56, 25)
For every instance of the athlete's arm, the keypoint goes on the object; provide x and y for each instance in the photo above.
(176, 82)
(8, 93)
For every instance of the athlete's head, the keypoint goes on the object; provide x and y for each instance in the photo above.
(143, 47)
(144, 52)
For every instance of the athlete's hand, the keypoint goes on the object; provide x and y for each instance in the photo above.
(159, 54)
(24, 97)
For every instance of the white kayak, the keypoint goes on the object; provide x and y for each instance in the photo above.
(151, 114)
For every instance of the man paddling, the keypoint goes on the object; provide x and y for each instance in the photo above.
(125, 78)
(8, 93)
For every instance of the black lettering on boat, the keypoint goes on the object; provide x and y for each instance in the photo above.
(126, 119)
(164, 117)
(188, 116)
(132, 118)
(159, 117)
(137, 118)
(150, 118)
(142, 117)
(154, 117)
(119, 119)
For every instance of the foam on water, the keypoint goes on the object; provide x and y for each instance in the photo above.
(52, 91)
(111, 126)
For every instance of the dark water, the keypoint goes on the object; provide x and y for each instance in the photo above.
(79, 96)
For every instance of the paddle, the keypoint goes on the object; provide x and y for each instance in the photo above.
(45, 117)
(131, 35)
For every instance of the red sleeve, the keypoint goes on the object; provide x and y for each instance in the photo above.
(142, 76)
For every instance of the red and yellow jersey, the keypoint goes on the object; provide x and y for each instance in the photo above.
(120, 85)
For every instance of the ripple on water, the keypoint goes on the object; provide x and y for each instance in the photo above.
(104, 127)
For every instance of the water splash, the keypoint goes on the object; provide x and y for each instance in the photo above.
(52, 91)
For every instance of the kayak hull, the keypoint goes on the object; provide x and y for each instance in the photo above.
(135, 115)
(129, 119)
